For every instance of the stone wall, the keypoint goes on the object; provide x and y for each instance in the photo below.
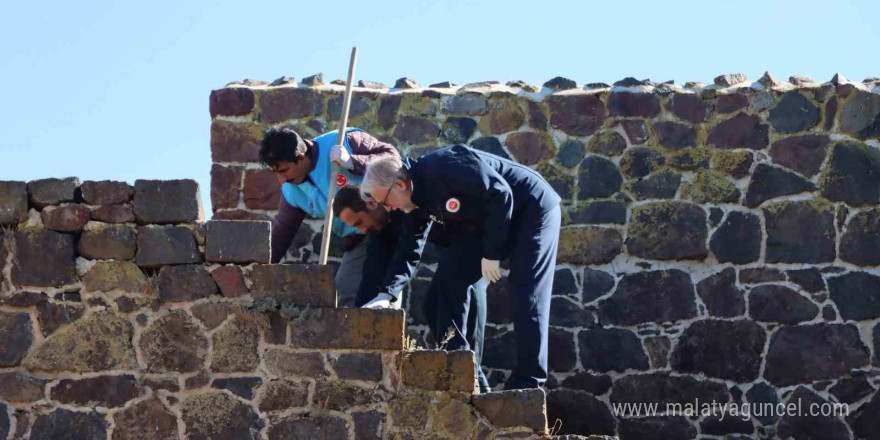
(720, 241)
(123, 316)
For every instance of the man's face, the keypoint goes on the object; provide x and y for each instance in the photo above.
(292, 172)
(373, 218)
(396, 197)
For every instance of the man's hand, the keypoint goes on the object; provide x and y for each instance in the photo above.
(340, 155)
(491, 270)
(382, 301)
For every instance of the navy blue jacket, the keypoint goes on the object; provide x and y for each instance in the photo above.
(477, 192)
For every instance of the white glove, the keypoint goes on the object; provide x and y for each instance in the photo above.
(340, 155)
(382, 301)
(491, 270)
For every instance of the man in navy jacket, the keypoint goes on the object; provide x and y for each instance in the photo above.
(502, 210)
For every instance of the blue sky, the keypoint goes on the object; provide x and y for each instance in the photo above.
(119, 90)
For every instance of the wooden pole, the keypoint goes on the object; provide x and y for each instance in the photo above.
(340, 140)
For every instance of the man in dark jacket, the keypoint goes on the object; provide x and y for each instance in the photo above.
(510, 209)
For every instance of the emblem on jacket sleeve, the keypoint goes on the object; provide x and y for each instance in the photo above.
(341, 180)
(453, 205)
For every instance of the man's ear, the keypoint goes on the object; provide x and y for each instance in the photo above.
(372, 204)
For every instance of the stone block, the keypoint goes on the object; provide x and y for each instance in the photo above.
(646, 105)
(174, 343)
(347, 328)
(580, 412)
(164, 245)
(106, 391)
(808, 353)
(167, 201)
(230, 280)
(218, 416)
(439, 370)
(113, 214)
(357, 366)
(184, 283)
(46, 192)
(799, 232)
(728, 350)
(654, 234)
(285, 364)
(589, 245)
(52, 316)
(108, 242)
(68, 218)
(235, 142)
(852, 174)
(576, 115)
(508, 409)
(286, 103)
(17, 387)
(64, 424)
(650, 296)
(740, 131)
(146, 420)
(335, 395)
(243, 387)
(324, 427)
(295, 284)
(611, 349)
(225, 186)
(231, 101)
(261, 190)
(235, 348)
(281, 395)
(13, 202)
(230, 241)
(16, 332)
(43, 259)
(101, 341)
(106, 192)
(109, 276)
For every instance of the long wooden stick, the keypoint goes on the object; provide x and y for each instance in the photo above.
(340, 140)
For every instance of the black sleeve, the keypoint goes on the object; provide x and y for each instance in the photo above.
(411, 240)
(287, 222)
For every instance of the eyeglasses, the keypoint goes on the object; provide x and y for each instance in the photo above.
(387, 208)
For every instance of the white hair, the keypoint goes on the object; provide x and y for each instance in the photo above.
(381, 173)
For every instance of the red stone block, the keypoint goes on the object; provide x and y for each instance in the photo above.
(261, 189)
(70, 218)
(230, 280)
(225, 186)
(231, 101)
(232, 142)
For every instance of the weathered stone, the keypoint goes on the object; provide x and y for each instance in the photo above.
(596, 284)
(646, 105)
(386, 115)
(113, 214)
(794, 113)
(16, 331)
(804, 154)
(127, 304)
(174, 343)
(438, 370)
(560, 83)
(109, 276)
(348, 328)
(357, 107)
(852, 389)
(295, 284)
(302, 427)
(502, 117)
(799, 232)
(611, 349)
(761, 395)
(608, 143)
(528, 147)
(52, 316)
(106, 192)
(635, 131)
(277, 332)
(738, 239)
(284, 364)
(230, 280)
(576, 115)
(464, 105)
(490, 145)
(769, 182)
(231, 101)
(240, 386)
(729, 350)
(807, 353)
(163, 245)
(235, 348)
(339, 396)
(499, 351)
(167, 201)
(217, 416)
(860, 115)
(810, 425)
(860, 244)
(458, 130)
(43, 259)
(235, 142)
(18, 387)
(13, 202)
(106, 391)
(68, 218)
(852, 174)
(668, 231)
(570, 153)
(410, 410)
(580, 413)
(280, 395)
(809, 279)
(108, 242)
(225, 183)
(238, 242)
(740, 131)
(147, 420)
(53, 191)
(675, 136)
(564, 283)
(211, 314)
(780, 304)
(598, 212)
(658, 348)
(589, 245)
(689, 107)
(660, 185)
(261, 190)
(357, 366)
(641, 161)
(63, 424)
(856, 294)
(101, 341)
(598, 177)
(187, 282)
(651, 296)
(710, 187)
(537, 115)
(731, 103)
(865, 423)
(566, 313)
(590, 383)
(720, 294)
(286, 103)
(198, 380)
(561, 350)
(663, 389)
(689, 159)
(416, 130)
(657, 428)
(508, 409)
(730, 79)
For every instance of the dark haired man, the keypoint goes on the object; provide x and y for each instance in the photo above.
(303, 168)
(391, 262)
